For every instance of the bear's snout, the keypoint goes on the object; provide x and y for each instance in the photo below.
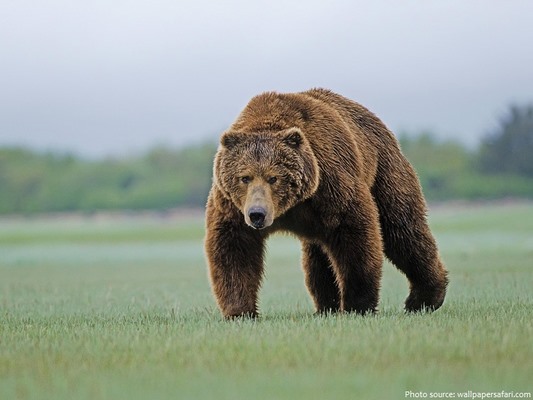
(258, 209)
(257, 217)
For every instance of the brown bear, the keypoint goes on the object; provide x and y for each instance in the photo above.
(327, 170)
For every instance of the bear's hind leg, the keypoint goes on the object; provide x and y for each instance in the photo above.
(320, 278)
(407, 239)
(413, 250)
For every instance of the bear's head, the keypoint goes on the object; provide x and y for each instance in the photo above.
(265, 173)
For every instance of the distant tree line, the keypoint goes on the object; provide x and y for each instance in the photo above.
(501, 167)
(32, 182)
(163, 178)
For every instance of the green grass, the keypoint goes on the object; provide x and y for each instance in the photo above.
(120, 308)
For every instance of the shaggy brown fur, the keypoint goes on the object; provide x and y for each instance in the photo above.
(326, 169)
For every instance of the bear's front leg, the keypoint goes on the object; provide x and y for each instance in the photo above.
(320, 278)
(355, 248)
(235, 257)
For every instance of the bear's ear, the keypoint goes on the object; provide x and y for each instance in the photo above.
(293, 138)
(230, 140)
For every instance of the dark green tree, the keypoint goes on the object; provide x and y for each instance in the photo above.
(509, 149)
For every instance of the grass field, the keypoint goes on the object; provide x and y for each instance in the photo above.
(120, 308)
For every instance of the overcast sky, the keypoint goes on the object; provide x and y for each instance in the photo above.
(115, 77)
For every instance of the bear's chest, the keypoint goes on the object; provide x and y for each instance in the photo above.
(304, 221)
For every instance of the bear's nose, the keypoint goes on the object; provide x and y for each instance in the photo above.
(257, 217)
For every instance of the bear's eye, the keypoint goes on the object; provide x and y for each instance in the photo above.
(272, 180)
(246, 179)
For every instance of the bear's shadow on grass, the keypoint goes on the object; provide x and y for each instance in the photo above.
(304, 316)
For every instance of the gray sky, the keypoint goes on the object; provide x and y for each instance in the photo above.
(115, 77)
